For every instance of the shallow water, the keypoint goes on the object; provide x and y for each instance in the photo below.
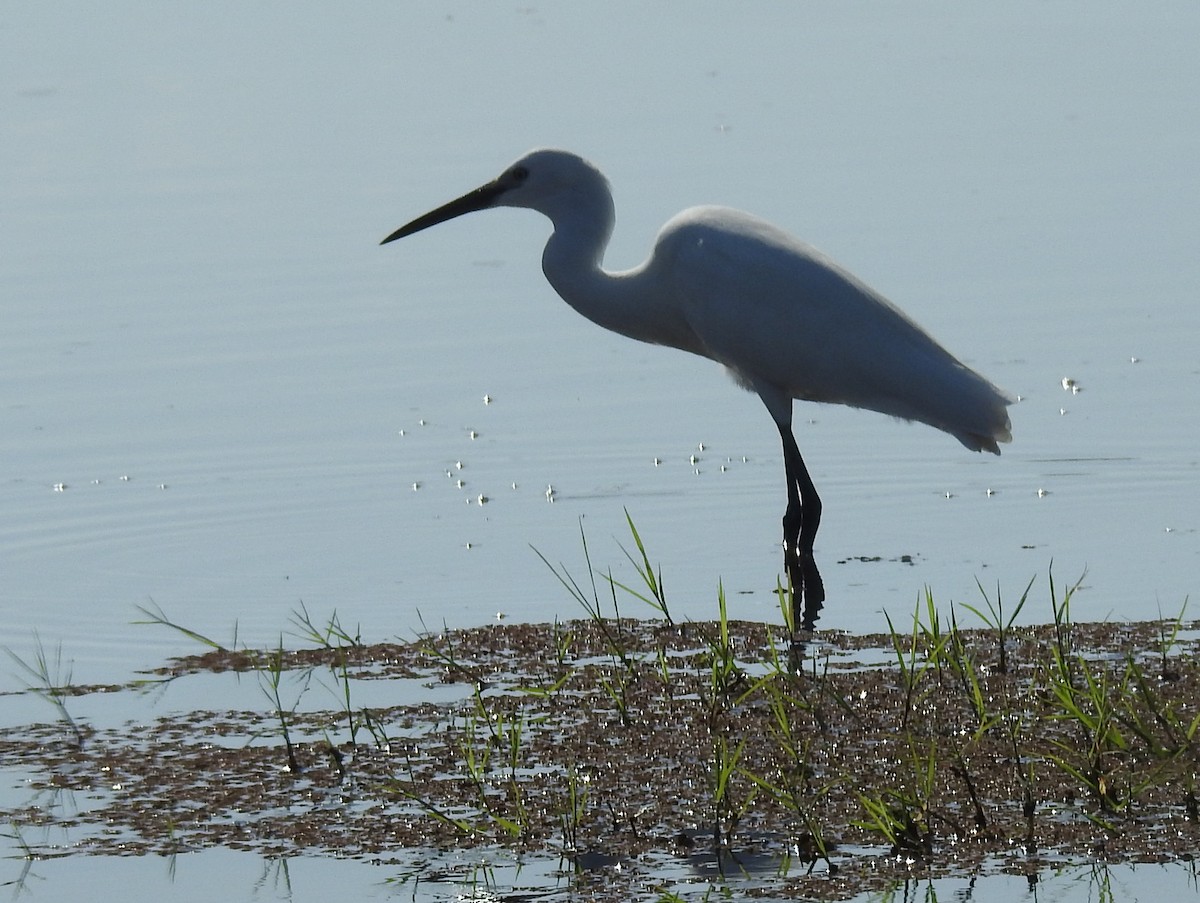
(236, 390)
(249, 877)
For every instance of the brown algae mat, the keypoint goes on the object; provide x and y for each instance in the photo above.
(842, 760)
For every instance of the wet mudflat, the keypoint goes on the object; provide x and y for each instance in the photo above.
(625, 750)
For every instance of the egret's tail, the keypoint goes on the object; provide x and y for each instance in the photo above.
(950, 396)
(990, 421)
(981, 443)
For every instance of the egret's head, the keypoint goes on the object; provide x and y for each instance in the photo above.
(556, 183)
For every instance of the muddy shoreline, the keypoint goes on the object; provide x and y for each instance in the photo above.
(824, 768)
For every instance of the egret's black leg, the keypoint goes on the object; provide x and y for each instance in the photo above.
(800, 524)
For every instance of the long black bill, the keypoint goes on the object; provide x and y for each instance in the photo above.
(481, 197)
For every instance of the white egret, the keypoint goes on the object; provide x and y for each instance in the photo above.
(784, 319)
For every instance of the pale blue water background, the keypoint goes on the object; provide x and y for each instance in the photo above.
(193, 298)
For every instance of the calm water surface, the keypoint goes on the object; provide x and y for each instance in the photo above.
(219, 395)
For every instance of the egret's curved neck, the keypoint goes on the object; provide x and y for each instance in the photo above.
(573, 264)
(574, 255)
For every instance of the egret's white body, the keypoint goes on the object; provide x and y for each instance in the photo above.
(786, 320)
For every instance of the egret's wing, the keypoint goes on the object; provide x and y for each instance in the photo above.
(778, 312)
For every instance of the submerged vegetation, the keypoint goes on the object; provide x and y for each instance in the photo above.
(822, 768)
